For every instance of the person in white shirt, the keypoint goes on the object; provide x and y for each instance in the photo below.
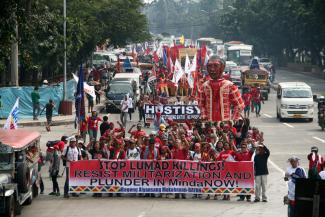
(196, 154)
(124, 110)
(294, 172)
(130, 107)
(69, 154)
(133, 152)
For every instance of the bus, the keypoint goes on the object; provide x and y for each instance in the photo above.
(240, 54)
(209, 42)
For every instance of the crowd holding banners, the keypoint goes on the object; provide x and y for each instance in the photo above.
(227, 138)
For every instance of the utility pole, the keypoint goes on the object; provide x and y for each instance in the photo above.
(14, 58)
(65, 50)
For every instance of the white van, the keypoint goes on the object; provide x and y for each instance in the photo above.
(294, 100)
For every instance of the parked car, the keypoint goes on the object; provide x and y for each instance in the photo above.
(19, 156)
(116, 93)
(236, 77)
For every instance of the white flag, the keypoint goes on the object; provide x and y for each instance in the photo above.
(12, 120)
(178, 72)
(187, 64)
(193, 66)
(171, 65)
(90, 90)
(160, 52)
(190, 80)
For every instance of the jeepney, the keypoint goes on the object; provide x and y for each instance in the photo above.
(19, 155)
(256, 78)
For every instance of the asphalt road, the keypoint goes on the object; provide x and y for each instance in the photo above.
(283, 139)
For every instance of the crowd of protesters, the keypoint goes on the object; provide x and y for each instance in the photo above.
(197, 141)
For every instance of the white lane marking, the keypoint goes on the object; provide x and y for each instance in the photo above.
(143, 214)
(288, 125)
(266, 115)
(276, 166)
(319, 139)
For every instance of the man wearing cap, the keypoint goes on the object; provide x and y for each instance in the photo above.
(261, 172)
(133, 152)
(218, 95)
(316, 163)
(70, 153)
(294, 172)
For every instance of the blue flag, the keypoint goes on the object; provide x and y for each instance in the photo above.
(80, 97)
(165, 59)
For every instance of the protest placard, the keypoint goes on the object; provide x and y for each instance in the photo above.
(170, 176)
(179, 113)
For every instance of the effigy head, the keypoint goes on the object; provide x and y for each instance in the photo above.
(215, 67)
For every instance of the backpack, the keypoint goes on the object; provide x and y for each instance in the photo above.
(50, 144)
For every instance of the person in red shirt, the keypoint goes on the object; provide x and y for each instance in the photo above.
(253, 93)
(117, 150)
(136, 134)
(180, 150)
(83, 129)
(226, 155)
(247, 97)
(93, 121)
(257, 100)
(316, 162)
(165, 153)
(244, 155)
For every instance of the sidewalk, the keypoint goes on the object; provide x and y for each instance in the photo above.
(313, 74)
(56, 120)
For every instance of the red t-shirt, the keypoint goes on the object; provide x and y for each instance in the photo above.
(93, 123)
(180, 154)
(247, 97)
(61, 145)
(117, 153)
(244, 156)
(224, 155)
(137, 133)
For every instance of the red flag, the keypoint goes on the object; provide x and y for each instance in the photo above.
(155, 57)
(203, 54)
(147, 51)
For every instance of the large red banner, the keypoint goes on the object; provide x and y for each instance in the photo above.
(170, 176)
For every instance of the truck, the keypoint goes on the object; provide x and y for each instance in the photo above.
(19, 179)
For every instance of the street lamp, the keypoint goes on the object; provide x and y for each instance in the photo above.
(65, 50)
